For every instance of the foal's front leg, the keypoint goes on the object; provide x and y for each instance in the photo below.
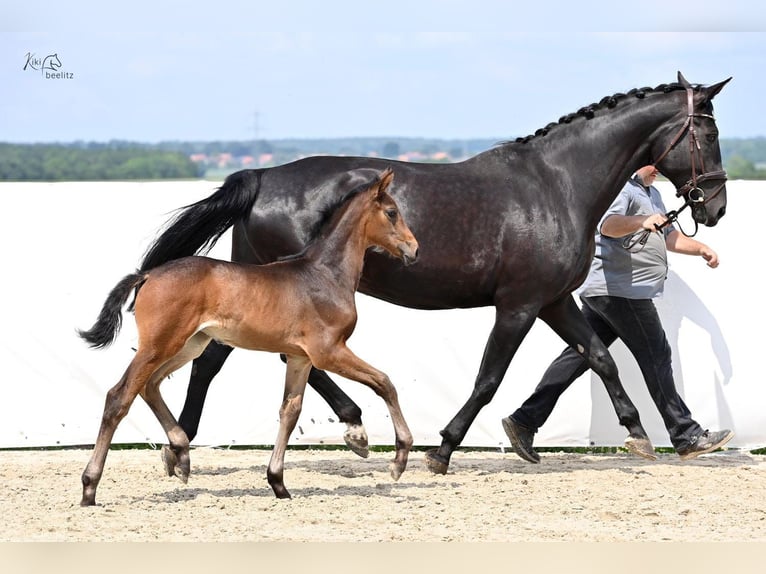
(296, 374)
(342, 361)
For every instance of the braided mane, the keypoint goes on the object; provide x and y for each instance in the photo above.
(608, 102)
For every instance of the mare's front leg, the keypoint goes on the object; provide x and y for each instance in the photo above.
(511, 326)
(204, 368)
(566, 319)
(342, 361)
(296, 373)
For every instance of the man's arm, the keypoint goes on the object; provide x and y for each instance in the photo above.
(677, 242)
(617, 225)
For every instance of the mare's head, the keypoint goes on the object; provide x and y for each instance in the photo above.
(386, 228)
(689, 155)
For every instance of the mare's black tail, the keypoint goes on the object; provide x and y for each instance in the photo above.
(106, 327)
(196, 227)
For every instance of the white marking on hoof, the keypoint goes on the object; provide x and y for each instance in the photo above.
(356, 440)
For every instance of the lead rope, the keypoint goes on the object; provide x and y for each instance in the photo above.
(641, 237)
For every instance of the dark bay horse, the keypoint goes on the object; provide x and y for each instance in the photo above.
(512, 227)
(302, 306)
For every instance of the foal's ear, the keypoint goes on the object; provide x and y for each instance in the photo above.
(385, 181)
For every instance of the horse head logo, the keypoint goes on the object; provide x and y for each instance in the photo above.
(51, 63)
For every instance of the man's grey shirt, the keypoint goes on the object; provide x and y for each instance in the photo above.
(638, 273)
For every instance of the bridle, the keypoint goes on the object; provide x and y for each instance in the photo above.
(694, 196)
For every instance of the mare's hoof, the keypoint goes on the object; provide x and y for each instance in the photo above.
(640, 446)
(281, 492)
(356, 440)
(436, 463)
(169, 460)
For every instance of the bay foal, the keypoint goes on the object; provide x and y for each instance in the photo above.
(302, 306)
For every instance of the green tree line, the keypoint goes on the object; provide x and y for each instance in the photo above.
(744, 158)
(116, 160)
(50, 162)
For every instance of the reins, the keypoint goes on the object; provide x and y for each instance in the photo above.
(691, 191)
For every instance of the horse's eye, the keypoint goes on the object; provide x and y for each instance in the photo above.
(711, 138)
(391, 214)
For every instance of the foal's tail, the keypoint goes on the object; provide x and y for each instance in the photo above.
(106, 327)
(196, 227)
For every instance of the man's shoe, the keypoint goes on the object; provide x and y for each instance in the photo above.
(706, 442)
(521, 440)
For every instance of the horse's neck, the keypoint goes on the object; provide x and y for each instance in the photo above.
(341, 246)
(599, 155)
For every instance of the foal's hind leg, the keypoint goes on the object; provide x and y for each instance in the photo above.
(296, 373)
(342, 361)
(566, 319)
(117, 403)
(205, 367)
(175, 456)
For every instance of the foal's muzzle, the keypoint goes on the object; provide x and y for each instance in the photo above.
(409, 252)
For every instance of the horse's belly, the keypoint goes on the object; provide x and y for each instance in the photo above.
(252, 337)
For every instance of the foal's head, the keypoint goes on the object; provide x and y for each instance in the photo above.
(386, 228)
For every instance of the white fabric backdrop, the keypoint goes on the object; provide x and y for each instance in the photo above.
(67, 244)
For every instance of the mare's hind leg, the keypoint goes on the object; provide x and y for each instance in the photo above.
(206, 366)
(342, 361)
(566, 319)
(117, 403)
(296, 373)
(347, 410)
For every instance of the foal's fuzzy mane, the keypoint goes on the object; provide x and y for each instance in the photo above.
(609, 102)
(326, 214)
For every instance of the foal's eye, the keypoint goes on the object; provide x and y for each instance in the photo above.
(391, 214)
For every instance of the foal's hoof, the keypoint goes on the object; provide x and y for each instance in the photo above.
(641, 446)
(436, 463)
(396, 470)
(169, 460)
(173, 467)
(356, 440)
(184, 476)
(88, 499)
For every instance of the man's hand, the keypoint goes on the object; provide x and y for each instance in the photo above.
(654, 222)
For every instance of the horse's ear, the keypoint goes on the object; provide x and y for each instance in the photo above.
(711, 91)
(682, 80)
(385, 181)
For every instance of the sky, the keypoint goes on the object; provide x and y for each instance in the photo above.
(235, 70)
